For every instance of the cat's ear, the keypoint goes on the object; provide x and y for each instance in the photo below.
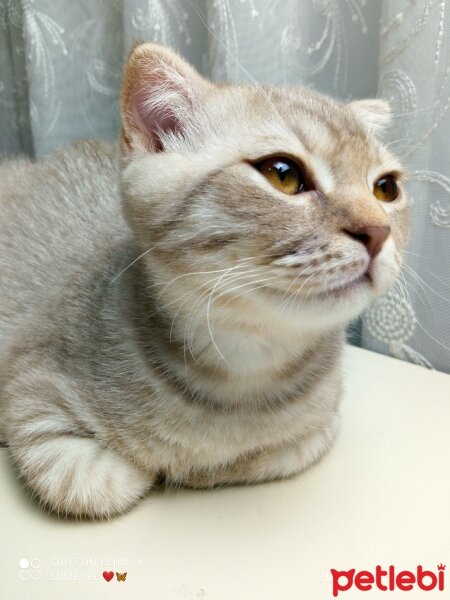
(374, 114)
(160, 94)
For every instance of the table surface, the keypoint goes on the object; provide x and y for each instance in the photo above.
(381, 496)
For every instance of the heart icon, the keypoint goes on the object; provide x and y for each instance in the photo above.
(108, 575)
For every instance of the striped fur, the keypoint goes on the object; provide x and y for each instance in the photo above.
(164, 311)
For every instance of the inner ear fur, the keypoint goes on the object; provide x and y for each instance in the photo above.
(160, 94)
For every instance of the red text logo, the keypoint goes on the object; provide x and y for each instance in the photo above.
(388, 579)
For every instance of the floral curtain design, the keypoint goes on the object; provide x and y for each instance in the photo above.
(60, 74)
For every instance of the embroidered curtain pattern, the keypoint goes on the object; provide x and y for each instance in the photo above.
(60, 73)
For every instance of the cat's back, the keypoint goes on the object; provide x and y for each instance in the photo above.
(58, 215)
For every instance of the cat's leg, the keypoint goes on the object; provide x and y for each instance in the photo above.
(269, 465)
(61, 463)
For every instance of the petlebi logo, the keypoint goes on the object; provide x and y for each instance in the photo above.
(389, 580)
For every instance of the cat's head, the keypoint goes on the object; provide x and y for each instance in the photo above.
(264, 196)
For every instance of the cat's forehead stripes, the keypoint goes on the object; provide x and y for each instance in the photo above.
(338, 147)
(322, 174)
(326, 136)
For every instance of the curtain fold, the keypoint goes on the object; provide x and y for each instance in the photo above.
(15, 121)
(413, 320)
(61, 67)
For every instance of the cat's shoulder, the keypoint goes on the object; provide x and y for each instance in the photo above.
(85, 166)
(92, 152)
(89, 154)
(84, 157)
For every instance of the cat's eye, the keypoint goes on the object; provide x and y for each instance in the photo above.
(386, 188)
(284, 174)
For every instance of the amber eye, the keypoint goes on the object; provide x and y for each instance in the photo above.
(283, 174)
(386, 188)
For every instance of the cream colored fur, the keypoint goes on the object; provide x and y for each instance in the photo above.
(170, 314)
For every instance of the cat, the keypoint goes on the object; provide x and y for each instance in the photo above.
(173, 306)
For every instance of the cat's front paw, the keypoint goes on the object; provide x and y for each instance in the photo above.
(75, 476)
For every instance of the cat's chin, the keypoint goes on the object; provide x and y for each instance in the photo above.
(345, 300)
(339, 304)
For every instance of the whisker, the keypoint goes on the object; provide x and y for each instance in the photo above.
(432, 336)
(235, 60)
(208, 321)
(189, 275)
(273, 277)
(190, 320)
(251, 289)
(408, 283)
(423, 283)
(131, 264)
(193, 292)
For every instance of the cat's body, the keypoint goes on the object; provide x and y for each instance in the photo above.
(170, 342)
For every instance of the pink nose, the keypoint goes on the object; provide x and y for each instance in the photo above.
(372, 237)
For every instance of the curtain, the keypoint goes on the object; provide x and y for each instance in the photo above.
(60, 73)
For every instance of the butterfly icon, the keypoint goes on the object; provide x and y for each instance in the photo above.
(121, 576)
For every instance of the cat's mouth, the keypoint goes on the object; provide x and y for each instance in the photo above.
(340, 288)
(350, 283)
(344, 287)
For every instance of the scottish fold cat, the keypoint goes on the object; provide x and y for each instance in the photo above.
(175, 308)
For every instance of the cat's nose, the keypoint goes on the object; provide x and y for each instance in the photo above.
(371, 236)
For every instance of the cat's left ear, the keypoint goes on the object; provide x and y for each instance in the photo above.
(374, 114)
(161, 94)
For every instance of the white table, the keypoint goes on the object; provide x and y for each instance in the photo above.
(381, 496)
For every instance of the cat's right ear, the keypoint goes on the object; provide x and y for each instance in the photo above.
(160, 94)
(375, 114)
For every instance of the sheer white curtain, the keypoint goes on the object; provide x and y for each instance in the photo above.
(60, 72)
